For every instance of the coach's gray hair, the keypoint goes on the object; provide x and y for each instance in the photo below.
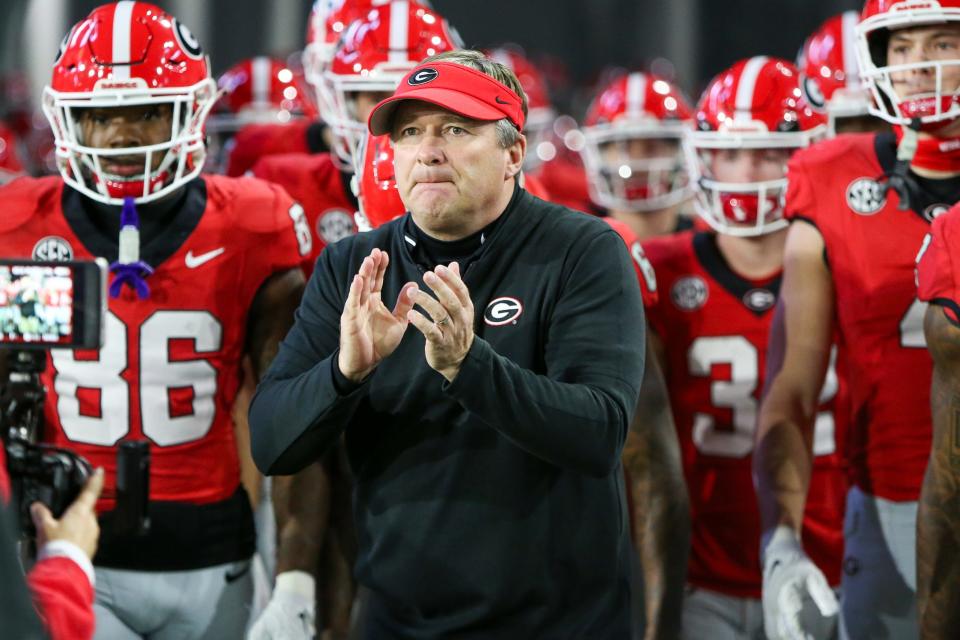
(507, 134)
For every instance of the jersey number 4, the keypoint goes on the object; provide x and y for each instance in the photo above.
(738, 395)
(911, 326)
(158, 375)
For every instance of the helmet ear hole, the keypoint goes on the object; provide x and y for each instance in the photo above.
(878, 42)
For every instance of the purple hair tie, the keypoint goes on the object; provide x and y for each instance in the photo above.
(129, 269)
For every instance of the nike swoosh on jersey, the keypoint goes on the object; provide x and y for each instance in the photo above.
(195, 261)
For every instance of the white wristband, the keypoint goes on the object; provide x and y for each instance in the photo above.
(298, 582)
(781, 536)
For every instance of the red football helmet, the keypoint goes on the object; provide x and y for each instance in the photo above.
(377, 185)
(373, 55)
(636, 106)
(325, 26)
(879, 17)
(259, 90)
(130, 54)
(540, 112)
(756, 104)
(829, 75)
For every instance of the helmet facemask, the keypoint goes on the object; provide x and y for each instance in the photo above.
(620, 180)
(347, 127)
(183, 152)
(748, 208)
(935, 106)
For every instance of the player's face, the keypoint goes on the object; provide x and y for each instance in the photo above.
(749, 165)
(365, 101)
(636, 149)
(448, 168)
(121, 127)
(924, 44)
(644, 167)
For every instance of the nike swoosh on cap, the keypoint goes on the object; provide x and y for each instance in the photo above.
(499, 101)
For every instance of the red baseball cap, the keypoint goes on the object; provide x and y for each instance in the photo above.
(455, 87)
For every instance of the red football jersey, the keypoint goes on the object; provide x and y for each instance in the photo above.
(256, 141)
(871, 248)
(938, 279)
(714, 327)
(168, 369)
(321, 188)
(645, 272)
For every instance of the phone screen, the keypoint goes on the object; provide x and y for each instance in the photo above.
(51, 304)
(36, 304)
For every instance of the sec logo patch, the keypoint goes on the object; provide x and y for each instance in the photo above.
(53, 248)
(334, 225)
(866, 196)
(689, 293)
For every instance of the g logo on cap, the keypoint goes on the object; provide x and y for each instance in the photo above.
(422, 77)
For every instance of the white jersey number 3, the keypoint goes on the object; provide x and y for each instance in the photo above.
(737, 394)
(158, 375)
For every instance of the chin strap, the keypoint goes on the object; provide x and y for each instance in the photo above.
(898, 179)
(129, 269)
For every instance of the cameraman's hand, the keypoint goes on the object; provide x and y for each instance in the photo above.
(78, 525)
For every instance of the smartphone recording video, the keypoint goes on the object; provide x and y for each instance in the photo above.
(52, 304)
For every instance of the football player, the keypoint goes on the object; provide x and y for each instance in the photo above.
(204, 270)
(861, 205)
(632, 153)
(548, 171)
(938, 569)
(830, 77)
(712, 321)
(327, 21)
(256, 91)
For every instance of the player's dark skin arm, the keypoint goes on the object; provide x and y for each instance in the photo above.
(661, 508)
(938, 517)
(301, 502)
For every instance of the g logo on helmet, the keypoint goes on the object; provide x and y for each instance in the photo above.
(187, 40)
(422, 77)
(813, 93)
(501, 311)
(63, 47)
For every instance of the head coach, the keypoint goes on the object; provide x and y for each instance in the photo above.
(485, 439)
